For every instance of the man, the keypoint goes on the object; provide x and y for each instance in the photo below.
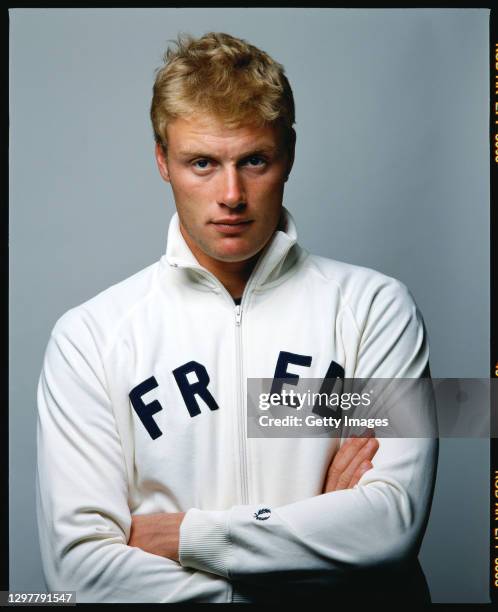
(148, 488)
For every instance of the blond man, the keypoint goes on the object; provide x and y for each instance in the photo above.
(148, 487)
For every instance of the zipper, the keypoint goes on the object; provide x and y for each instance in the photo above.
(238, 314)
(240, 405)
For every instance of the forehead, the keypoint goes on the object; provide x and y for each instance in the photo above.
(209, 135)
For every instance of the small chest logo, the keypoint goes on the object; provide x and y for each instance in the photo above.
(262, 514)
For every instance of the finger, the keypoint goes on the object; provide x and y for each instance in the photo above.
(364, 454)
(366, 433)
(343, 458)
(345, 455)
(364, 467)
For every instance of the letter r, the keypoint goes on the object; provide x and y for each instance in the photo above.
(190, 390)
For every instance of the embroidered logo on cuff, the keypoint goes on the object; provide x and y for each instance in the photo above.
(262, 514)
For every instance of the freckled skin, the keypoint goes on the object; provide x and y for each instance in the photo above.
(226, 181)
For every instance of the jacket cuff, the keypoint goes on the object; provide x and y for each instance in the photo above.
(204, 541)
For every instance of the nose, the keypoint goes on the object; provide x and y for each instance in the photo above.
(232, 192)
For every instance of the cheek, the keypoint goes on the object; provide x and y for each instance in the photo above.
(185, 184)
(189, 192)
(271, 183)
(267, 194)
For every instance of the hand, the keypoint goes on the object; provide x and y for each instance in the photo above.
(350, 462)
(158, 533)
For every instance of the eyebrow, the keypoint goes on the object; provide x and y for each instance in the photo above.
(261, 150)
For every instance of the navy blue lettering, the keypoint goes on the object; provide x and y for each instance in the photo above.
(190, 390)
(282, 375)
(334, 372)
(145, 411)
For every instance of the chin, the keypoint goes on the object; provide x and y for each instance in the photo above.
(233, 257)
(233, 251)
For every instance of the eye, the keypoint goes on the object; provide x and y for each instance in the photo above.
(256, 161)
(201, 164)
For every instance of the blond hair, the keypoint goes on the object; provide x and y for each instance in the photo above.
(224, 77)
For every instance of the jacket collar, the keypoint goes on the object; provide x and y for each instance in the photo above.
(277, 256)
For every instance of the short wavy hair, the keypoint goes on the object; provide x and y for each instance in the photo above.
(224, 77)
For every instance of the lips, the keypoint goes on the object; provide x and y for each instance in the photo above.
(231, 221)
(231, 226)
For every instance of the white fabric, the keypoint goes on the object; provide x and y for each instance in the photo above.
(98, 464)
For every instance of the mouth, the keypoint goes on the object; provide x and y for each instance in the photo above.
(232, 226)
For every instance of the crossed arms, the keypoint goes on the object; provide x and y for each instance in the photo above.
(89, 538)
(159, 533)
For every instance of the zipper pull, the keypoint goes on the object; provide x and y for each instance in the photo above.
(238, 314)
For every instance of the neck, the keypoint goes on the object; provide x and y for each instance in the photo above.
(232, 275)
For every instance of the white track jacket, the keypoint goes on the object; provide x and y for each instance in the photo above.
(142, 409)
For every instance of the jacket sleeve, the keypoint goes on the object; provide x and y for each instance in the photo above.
(82, 492)
(379, 522)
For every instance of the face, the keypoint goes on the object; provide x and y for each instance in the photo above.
(228, 185)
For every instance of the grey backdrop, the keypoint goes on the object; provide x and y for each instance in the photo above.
(391, 172)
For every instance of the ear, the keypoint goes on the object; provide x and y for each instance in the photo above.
(162, 163)
(291, 147)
